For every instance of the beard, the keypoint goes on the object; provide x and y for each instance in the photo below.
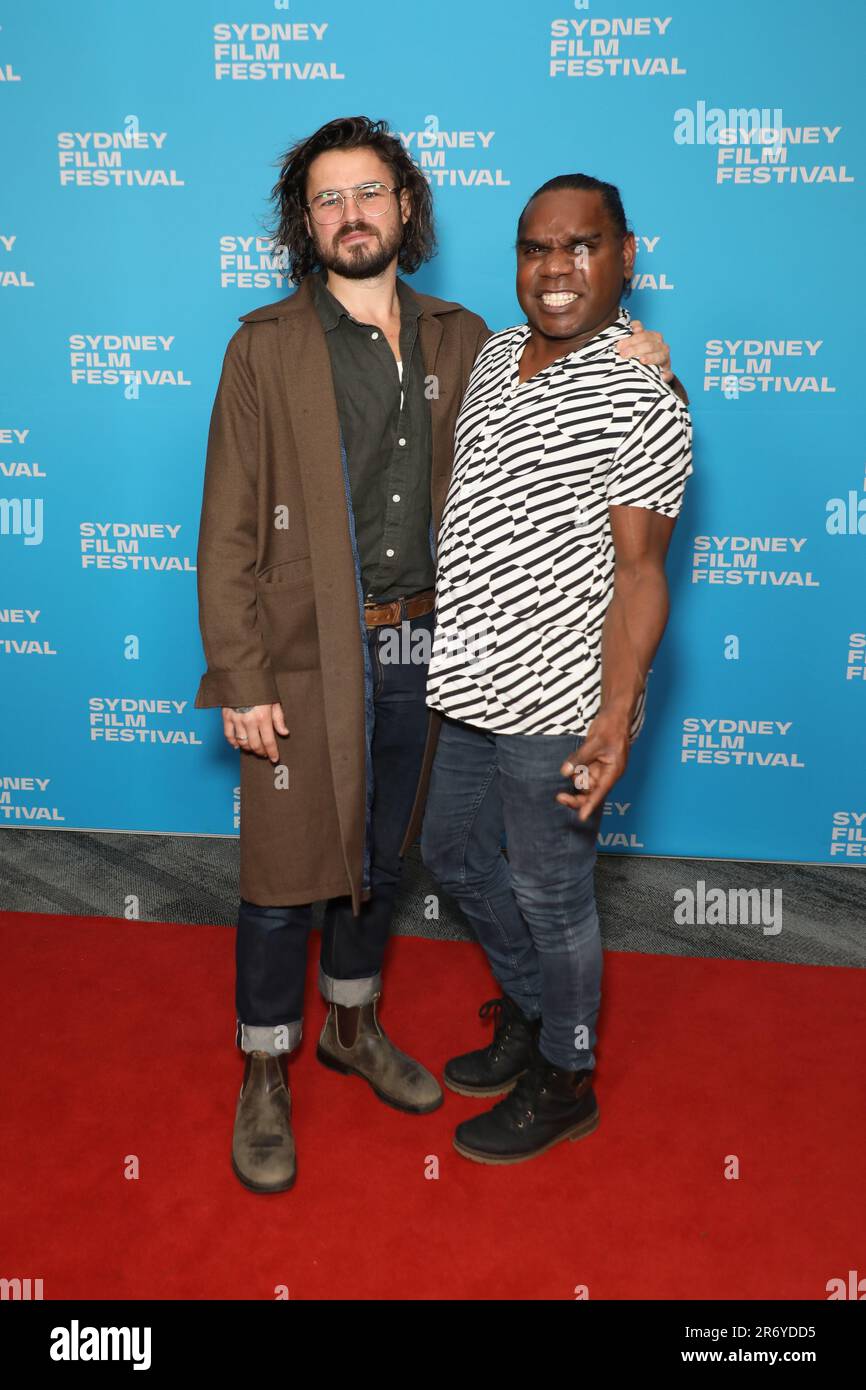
(361, 262)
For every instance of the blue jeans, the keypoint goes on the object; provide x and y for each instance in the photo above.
(271, 944)
(535, 915)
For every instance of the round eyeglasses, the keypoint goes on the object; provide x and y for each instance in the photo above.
(371, 199)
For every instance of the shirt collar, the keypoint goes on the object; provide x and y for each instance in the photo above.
(331, 310)
(620, 328)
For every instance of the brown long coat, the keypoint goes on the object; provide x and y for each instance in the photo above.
(278, 605)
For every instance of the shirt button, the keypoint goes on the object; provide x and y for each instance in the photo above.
(401, 442)
(374, 336)
(389, 553)
(396, 497)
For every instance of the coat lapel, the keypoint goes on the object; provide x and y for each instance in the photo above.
(306, 372)
(444, 369)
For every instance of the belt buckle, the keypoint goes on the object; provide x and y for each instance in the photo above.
(398, 603)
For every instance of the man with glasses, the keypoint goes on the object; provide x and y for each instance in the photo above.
(329, 457)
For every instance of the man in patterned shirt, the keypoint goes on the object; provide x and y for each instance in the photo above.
(569, 472)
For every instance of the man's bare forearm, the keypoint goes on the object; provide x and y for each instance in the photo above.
(634, 623)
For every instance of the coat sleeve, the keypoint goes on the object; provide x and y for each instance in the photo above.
(480, 335)
(238, 667)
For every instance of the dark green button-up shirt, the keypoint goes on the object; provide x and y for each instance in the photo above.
(387, 434)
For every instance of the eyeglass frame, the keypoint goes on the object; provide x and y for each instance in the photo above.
(353, 189)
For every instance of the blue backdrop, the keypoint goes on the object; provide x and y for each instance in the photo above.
(139, 148)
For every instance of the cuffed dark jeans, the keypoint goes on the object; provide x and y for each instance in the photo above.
(271, 946)
(535, 915)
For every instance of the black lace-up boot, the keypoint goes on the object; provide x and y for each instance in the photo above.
(548, 1104)
(490, 1070)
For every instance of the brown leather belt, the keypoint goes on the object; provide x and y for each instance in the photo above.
(392, 614)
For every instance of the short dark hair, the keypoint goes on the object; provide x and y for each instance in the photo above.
(585, 182)
(289, 194)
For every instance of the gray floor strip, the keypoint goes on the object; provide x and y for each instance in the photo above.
(194, 878)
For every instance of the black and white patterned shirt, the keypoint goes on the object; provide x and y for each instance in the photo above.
(525, 552)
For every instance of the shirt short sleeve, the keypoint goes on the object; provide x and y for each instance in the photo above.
(654, 459)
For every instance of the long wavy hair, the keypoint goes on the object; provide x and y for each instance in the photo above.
(289, 193)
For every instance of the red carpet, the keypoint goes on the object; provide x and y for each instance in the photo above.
(119, 1040)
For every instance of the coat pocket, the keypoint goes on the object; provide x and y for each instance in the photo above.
(286, 609)
(286, 574)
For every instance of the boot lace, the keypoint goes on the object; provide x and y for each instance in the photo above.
(501, 1025)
